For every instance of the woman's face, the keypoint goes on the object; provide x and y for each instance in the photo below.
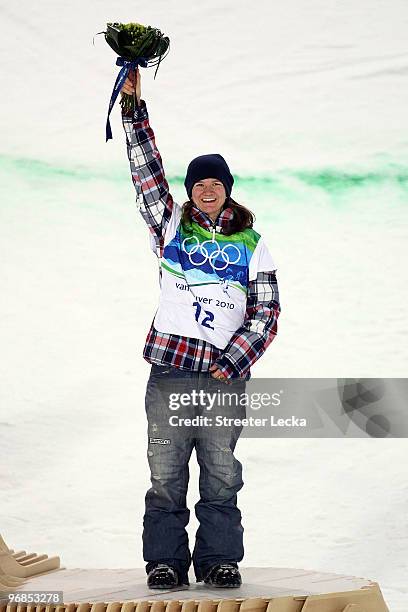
(209, 196)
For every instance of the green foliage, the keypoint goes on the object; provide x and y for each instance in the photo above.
(132, 40)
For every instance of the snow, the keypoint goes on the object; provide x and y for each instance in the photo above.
(298, 97)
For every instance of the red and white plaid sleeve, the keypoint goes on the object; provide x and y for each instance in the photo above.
(259, 329)
(156, 202)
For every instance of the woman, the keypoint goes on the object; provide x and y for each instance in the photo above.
(217, 314)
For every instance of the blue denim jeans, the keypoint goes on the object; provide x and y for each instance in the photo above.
(220, 533)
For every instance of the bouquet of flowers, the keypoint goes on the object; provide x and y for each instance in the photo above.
(136, 45)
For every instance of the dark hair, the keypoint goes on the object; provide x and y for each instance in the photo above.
(242, 218)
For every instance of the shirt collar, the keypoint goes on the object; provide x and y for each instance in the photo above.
(204, 220)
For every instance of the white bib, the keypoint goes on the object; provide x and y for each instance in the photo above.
(205, 279)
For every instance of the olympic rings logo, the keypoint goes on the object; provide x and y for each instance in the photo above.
(207, 255)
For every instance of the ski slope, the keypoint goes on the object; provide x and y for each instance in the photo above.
(307, 102)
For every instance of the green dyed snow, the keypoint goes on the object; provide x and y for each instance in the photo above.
(329, 180)
(35, 168)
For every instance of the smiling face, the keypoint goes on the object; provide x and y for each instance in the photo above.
(209, 196)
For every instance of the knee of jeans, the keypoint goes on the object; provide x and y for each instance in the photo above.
(221, 475)
(166, 472)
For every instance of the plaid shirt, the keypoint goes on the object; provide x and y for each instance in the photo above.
(156, 204)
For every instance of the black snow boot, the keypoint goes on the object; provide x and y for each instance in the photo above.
(224, 576)
(163, 576)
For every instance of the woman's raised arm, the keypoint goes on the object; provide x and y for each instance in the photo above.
(146, 165)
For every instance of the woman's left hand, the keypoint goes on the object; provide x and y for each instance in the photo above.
(216, 373)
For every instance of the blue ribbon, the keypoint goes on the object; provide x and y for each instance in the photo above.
(127, 65)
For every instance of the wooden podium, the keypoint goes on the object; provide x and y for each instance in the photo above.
(263, 590)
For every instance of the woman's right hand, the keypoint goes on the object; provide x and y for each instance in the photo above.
(129, 84)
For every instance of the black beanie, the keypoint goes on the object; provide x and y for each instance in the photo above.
(208, 166)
